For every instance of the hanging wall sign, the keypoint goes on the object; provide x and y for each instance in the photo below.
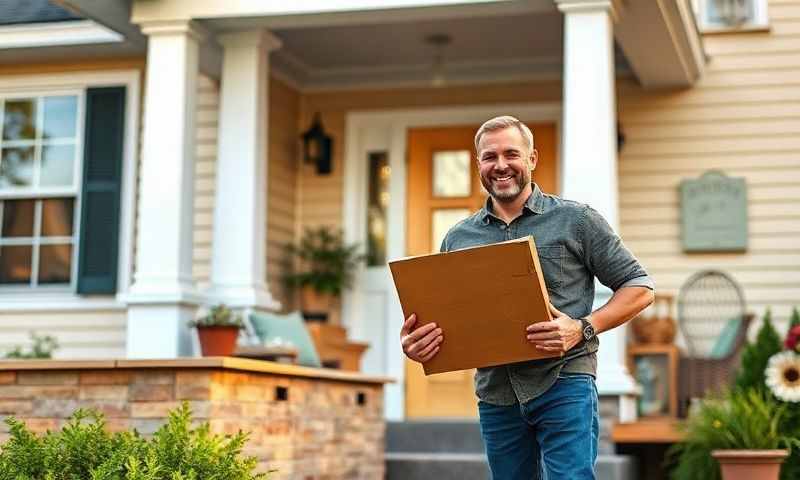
(714, 213)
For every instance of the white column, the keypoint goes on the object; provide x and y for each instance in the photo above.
(238, 265)
(162, 298)
(589, 156)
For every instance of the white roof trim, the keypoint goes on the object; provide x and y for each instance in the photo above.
(78, 32)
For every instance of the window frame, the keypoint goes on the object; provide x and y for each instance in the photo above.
(38, 193)
(42, 299)
(759, 22)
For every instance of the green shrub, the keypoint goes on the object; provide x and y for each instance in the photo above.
(756, 356)
(737, 419)
(84, 450)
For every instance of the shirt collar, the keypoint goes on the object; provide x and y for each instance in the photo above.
(534, 203)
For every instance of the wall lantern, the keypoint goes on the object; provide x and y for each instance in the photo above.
(318, 147)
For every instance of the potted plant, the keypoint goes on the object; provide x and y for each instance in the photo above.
(748, 431)
(218, 331)
(322, 266)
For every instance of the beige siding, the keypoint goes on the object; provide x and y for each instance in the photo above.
(79, 334)
(743, 117)
(205, 177)
(284, 111)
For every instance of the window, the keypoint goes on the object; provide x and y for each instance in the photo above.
(40, 165)
(731, 14)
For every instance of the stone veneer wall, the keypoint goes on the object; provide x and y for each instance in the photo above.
(322, 429)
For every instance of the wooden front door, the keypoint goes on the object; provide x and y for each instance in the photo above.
(444, 188)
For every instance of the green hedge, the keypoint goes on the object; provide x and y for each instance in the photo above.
(84, 450)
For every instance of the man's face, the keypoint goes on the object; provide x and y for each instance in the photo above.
(504, 163)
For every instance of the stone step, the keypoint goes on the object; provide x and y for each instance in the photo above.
(472, 466)
(439, 466)
(434, 437)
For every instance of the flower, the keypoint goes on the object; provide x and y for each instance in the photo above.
(783, 376)
(793, 339)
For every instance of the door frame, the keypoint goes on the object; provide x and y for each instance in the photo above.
(387, 130)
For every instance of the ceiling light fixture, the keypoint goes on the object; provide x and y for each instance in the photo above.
(438, 41)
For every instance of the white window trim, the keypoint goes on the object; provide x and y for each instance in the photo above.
(760, 21)
(39, 193)
(72, 32)
(32, 300)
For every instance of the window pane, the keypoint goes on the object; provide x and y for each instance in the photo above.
(57, 165)
(55, 263)
(726, 12)
(442, 220)
(15, 264)
(16, 167)
(57, 217)
(19, 119)
(60, 117)
(18, 218)
(378, 203)
(451, 173)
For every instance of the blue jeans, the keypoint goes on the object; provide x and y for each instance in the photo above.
(552, 437)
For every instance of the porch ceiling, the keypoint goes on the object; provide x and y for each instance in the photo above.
(490, 48)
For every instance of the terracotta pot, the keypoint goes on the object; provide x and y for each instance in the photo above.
(315, 303)
(218, 341)
(750, 464)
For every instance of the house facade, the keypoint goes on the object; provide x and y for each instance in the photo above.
(151, 162)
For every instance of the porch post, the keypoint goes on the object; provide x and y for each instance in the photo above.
(589, 158)
(163, 298)
(238, 266)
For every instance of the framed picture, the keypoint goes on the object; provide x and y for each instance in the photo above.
(655, 369)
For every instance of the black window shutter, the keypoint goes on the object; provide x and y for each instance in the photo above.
(100, 198)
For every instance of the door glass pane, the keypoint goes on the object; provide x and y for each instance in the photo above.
(15, 264)
(57, 165)
(18, 218)
(451, 175)
(441, 221)
(60, 117)
(16, 167)
(57, 217)
(19, 119)
(377, 206)
(55, 263)
(726, 12)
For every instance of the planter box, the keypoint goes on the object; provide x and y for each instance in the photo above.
(305, 422)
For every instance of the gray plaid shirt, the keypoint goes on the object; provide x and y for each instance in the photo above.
(575, 245)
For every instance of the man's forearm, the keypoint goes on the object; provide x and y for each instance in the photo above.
(625, 304)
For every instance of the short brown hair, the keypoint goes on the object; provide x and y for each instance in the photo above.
(503, 122)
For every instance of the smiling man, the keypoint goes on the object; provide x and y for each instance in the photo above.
(539, 419)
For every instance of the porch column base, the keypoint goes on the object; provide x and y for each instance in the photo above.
(158, 323)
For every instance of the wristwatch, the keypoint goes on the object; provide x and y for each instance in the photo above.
(587, 329)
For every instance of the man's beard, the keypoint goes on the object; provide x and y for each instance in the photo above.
(509, 194)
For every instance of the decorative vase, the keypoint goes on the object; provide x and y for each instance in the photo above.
(750, 464)
(219, 341)
(316, 305)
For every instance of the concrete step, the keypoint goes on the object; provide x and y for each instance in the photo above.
(472, 466)
(439, 466)
(434, 436)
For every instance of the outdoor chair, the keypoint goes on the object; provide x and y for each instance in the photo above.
(713, 323)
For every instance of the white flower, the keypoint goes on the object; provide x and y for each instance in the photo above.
(783, 376)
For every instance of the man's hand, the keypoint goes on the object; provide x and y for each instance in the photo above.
(422, 343)
(558, 335)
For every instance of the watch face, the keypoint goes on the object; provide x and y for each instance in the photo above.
(588, 332)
